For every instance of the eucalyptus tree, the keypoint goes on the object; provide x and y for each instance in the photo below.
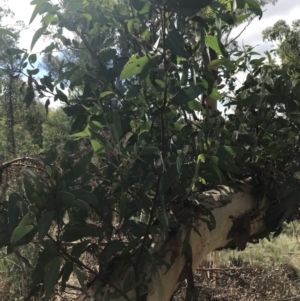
(8, 74)
(152, 147)
(287, 40)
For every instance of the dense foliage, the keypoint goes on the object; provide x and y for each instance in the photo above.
(137, 80)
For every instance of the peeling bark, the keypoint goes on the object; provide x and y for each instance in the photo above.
(240, 218)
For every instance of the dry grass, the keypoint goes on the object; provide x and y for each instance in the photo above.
(283, 250)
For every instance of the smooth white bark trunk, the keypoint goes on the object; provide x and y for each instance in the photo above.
(165, 281)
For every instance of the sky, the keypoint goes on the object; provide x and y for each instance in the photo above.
(288, 10)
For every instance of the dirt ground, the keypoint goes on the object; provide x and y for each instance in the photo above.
(243, 284)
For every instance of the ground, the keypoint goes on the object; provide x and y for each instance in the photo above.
(253, 283)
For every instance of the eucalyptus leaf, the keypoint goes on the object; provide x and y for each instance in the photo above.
(5, 31)
(176, 44)
(222, 62)
(137, 64)
(51, 276)
(20, 232)
(14, 51)
(44, 224)
(187, 7)
(37, 36)
(82, 164)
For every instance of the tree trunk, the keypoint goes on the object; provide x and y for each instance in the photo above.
(11, 119)
(239, 219)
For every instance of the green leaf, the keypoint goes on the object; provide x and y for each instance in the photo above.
(51, 277)
(73, 6)
(80, 248)
(213, 43)
(97, 148)
(117, 125)
(226, 165)
(34, 13)
(241, 18)
(33, 72)
(29, 96)
(136, 65)
(82, 205)
(215, 94)
(150, 150)
(195, 105)
(74, 233)
(48, 82)
(40, 8)
(169, 177)
(66, 197)
(88, 16)
(178, 164)
(29, 189)
(76, 78)
(213, 167)
(37, 35)
(222, 62)
(142, 6)
(86, 196)
(45, 223)
(5, 31)
(255, 7)
(83, 134)
(129, 282)
(94, 110)
(25, 226)
(14, 51)
(20, 232)
(27, 219)
(44, 257)
(200, 20)
(13, 211)
(186, 248)
(103, 94)
(81, 165)
(224, 151)
(61, 96)
(149, 181)
(48, 19)
(176, 44)
(188, 94)
(250, 100)
(104, 142)
(81, 278)
(187, 7)
(95, 126)
(163, 217)
(67, 270)
(47, 104)
(32, 58)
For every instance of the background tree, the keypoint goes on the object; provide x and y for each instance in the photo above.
(287, 39)
(55, 128)
(21, 136)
